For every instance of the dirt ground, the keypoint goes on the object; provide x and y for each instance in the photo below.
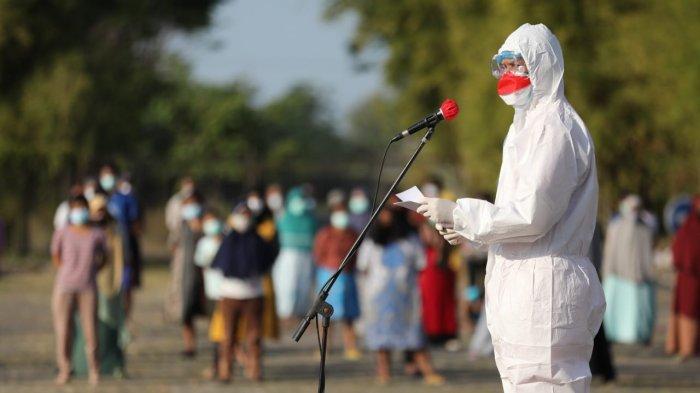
(155, 365)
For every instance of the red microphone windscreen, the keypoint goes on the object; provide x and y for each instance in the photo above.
(449, 109)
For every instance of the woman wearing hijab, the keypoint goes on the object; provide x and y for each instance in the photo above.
(264, 222)
(390, 260)
(243, 258)
(685, 319)
(628, 276)
(294, 271)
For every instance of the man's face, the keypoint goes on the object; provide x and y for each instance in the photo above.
(514, 64)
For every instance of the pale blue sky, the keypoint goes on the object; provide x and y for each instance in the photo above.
(276, 43)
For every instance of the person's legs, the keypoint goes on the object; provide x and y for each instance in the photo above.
(62, 305)
(87, 307)
(127, 303)
(672, 334)
(383, 366)
(409, 364)
(231, 312)
(422, 359)
(687, 336)
(253, 309)
(350, 341)
(189, 336)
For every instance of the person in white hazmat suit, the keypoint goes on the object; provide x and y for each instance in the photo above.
(544, 302)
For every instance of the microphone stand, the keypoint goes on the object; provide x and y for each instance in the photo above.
(320, 306)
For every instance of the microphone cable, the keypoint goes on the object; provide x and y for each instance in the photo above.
(379, 177)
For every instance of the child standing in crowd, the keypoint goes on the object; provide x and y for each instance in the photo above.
(294, 270)
(186, 300)
(243, 258)
(391, 259)
(331, 244)
(77, 251)
(206, 250)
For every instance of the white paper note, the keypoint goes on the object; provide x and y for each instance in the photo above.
(410, 199)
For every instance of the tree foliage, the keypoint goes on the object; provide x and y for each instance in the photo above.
(74, 78)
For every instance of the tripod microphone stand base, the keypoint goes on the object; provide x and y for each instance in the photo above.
(325, 310)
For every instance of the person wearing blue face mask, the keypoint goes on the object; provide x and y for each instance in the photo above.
(110, 300)
(77, 251)
(293, 272)
(185, 301)
(330, 246)
(358, 205)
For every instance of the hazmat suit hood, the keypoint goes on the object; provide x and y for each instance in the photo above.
(544, 60)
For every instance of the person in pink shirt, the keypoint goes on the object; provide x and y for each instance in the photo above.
(77, 251)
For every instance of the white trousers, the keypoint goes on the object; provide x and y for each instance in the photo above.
(543, 314)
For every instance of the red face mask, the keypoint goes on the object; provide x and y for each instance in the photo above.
(510, 83)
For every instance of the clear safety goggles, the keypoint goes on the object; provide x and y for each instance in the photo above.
(508, 61)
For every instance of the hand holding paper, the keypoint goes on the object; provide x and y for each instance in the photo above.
(410, 199)
(438, 210)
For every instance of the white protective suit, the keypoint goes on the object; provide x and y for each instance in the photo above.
(544, 301)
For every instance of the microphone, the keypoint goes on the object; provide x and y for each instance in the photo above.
(448, 111)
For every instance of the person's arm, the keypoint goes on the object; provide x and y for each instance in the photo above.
(608, 244)
(56, 247)
(101, 250)
(133, 214)
(319, 247)
(549, 174)
(364, 255)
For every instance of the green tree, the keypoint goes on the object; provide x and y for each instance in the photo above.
(74, 78)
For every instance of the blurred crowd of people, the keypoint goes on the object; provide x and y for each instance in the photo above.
(626, 259)
(254, 269)
(265, 260)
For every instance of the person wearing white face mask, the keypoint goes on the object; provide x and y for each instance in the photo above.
(628, 276)
(243, 259)
(204, 254)
(255, 203)
(544, 302)
(274, 199)
(185, 301)
(78, 252)
(330, 246)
